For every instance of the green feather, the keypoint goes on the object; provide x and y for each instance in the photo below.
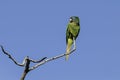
(72, 31)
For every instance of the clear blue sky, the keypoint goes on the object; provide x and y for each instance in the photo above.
(37, 28)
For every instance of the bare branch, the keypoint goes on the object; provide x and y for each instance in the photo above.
(27, 60)
(27, 65)
(26, 70)
(53, 58)
(37, 61)
(12, 57)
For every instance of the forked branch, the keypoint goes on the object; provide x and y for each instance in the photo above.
(27, 60)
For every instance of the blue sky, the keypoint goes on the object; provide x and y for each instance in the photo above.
(37, 29)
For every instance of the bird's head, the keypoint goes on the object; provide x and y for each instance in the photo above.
(74, 19)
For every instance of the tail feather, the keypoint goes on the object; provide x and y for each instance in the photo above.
(66, 58)
(70, 42)
(67, 52)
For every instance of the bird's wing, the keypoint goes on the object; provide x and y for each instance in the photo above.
(78, 33)
(68, 33)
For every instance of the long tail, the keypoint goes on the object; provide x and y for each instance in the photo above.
(69, 45)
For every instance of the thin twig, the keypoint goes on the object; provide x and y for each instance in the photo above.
(37, 61)
(12, 57)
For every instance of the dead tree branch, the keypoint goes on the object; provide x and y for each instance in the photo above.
(37, 61)
(25, 63)
(53, 58)
(50, 59)
(12, 57)
(27, 60)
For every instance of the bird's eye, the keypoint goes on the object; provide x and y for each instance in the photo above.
(70, 20)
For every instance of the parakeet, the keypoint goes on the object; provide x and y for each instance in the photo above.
(72, 32)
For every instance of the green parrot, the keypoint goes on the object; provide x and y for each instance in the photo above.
(72, 32)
